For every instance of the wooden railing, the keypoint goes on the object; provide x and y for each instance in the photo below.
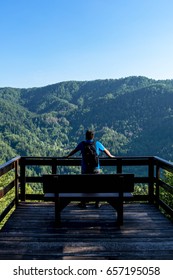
(9, 183)
(149, 175)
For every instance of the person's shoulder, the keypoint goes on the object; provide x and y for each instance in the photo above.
(100, 145)
(81, 143)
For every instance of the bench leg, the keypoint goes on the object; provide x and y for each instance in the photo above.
(60, 204)
(117, 204)
(120, 213)
(57, 213)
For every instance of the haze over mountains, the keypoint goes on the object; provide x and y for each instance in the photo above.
(132, 116)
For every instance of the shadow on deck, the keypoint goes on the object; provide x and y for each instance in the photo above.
(30, 234)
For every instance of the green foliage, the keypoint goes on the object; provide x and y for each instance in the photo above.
(141, 189)
(164, 195)
(131, 116)
(5, 201)
(168, 178)
(10, 195)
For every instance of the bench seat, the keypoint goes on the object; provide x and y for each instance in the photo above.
(99, 196)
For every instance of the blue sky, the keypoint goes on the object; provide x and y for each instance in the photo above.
(45, 42)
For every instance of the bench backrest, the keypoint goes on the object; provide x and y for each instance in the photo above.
(88, 183)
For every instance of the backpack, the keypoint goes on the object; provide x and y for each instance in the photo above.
(90, 156)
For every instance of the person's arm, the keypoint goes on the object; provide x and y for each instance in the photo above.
(106, 151)
(72, 153)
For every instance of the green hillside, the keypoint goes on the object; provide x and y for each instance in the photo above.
(131, 116)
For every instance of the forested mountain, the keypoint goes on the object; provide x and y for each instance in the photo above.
(131, 116)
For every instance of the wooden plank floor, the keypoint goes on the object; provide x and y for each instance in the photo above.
(89, 233)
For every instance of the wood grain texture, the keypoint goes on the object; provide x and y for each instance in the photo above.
(30, 233)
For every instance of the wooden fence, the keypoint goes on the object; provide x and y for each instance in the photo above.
(149, 172)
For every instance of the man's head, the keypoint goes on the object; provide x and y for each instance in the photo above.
(89, 135)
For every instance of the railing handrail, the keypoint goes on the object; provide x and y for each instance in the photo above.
(5, 167)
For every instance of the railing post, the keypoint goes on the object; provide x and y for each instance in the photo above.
(151, 180)
(16, 182)
(54, 166)
(157, 185)
(22, 179)
(119, 165)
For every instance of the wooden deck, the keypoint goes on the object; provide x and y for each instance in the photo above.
(88, 234)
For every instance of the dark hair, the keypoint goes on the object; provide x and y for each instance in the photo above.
(89, 134)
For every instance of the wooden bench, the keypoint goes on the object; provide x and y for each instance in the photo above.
(112, 188)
